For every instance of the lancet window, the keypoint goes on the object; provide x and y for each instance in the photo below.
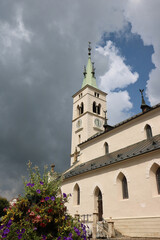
(96, 108)
(158, 179)
(148, 131)
(80, 109)
(124, 188)
(106, 148)
(76, 195)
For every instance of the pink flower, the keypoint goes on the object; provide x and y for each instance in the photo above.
(32, 214)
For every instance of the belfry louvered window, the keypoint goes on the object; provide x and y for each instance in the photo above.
(82, 108)
(99, 109)
(94, 107)
(124, 188)
(158, 179)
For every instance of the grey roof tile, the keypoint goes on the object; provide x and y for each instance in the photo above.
(126, 153)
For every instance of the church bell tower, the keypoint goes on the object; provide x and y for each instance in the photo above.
(89, 104)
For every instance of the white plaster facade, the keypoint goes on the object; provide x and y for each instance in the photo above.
(138, 215)
(84, 125)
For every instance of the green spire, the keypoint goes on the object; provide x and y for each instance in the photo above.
(89, 78)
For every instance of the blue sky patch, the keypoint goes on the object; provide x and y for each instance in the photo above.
(137, 56)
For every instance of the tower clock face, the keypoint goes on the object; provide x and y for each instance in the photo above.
(79, 123)
(98, 122)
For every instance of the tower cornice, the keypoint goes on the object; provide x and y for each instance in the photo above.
(90, 113)
(91, 87)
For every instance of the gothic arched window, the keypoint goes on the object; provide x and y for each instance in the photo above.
(148, 131)
(78, 110)
(98, 203)
(82, 108)
(158, 179)
(124, 188)
(76, 195)
(106, 148)
(99, 109)
(94, 107)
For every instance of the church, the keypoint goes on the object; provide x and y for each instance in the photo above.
(114, 171)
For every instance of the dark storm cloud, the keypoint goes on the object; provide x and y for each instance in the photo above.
(43, 48)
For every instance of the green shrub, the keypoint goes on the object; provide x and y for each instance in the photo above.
(3, 204)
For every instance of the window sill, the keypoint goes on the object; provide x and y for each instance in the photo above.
(156, 196)
(78, 130)
(125, 199)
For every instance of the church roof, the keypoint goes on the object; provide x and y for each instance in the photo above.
(121, 123)
(127, 153)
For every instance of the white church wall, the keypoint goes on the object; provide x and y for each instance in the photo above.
(83, 125)
(122, 136)
(141, 201)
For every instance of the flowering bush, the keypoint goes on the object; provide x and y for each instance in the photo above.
(3, 203)
(41, 213)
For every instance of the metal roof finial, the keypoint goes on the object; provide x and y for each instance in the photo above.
(89, 49)
(141, 91)
(144, 106)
